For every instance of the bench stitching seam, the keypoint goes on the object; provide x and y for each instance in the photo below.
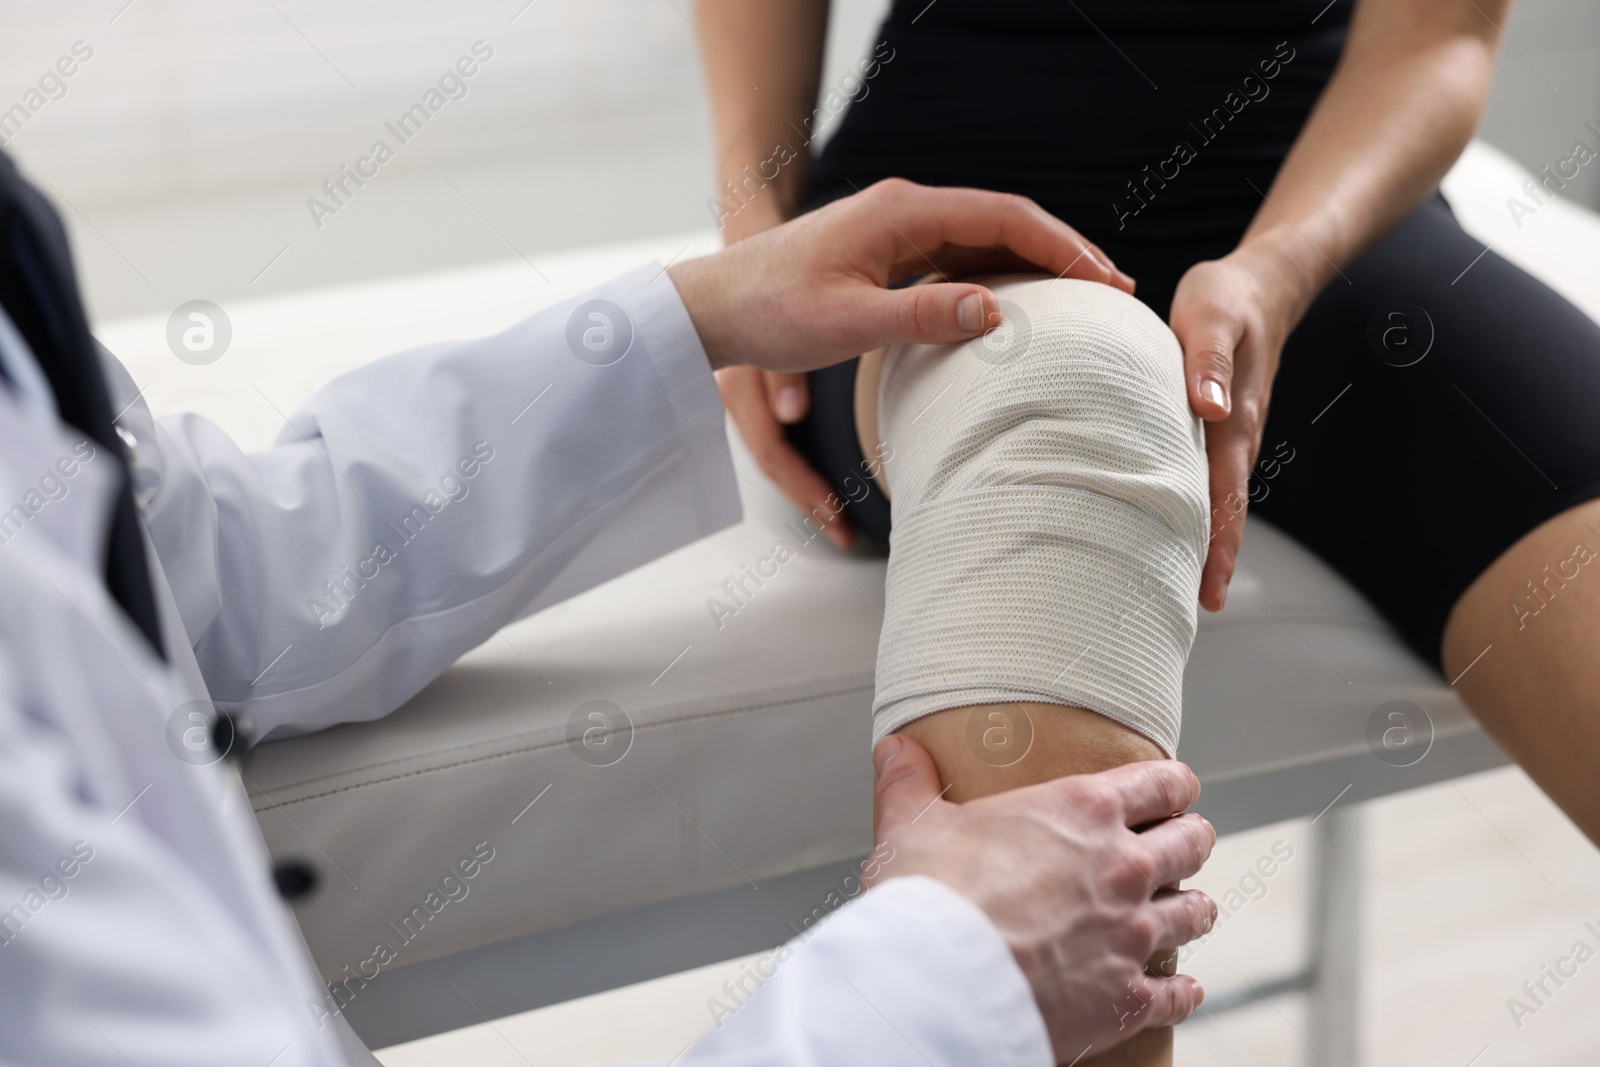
(553, 744)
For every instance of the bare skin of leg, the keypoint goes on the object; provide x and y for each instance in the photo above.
(1537, 688)
(1064, 741)
(1059, 740)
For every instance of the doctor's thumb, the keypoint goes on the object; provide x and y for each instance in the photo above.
(907, 782)
(939, 314)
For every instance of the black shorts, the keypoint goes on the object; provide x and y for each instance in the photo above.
(1434, 405)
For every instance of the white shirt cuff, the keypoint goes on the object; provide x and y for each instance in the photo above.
(912, 972)
(674, 345)
(957, 947)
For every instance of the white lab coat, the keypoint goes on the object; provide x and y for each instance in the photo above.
(138, 923)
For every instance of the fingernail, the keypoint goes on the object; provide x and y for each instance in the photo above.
(887, 750)
(790, 403)
(1211, 389)
(969, 312)
(1199, 992)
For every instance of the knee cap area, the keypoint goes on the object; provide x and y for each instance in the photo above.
(1082, 386)
(1050, 513)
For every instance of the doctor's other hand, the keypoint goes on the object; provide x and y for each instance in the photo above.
(815, 291)
(1070, 872)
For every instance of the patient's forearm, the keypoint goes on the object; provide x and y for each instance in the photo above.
(763, 63)
(1401, 106)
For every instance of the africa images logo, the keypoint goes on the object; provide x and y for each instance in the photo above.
(599, 332)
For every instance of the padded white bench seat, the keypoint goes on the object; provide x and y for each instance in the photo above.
(749, 754)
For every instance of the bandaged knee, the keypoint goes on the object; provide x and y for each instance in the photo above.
(1049, 492)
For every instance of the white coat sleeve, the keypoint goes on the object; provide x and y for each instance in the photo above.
(416, 504)
(910, 973)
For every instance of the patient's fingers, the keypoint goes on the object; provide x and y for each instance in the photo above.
(1176, 848)
(787, 395)
(1231, 452)
(1209, 348)
(929, 219)
(1182, 916)
(1151, 789)
(745, 397)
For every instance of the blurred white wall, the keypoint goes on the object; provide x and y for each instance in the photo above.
(1547, 87)
(185, 148)
(188, 145)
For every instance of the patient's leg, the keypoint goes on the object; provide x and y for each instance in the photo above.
(1063, 741)
(1050, 507)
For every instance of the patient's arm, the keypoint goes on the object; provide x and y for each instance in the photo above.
(778, 44)
(1049, 509)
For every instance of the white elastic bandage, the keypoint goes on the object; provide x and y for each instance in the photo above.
(1049, 489)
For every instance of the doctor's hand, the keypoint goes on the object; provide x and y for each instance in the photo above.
(813, 292)
(1070, 872)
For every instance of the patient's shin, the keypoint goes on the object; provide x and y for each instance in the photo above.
(1050, 514)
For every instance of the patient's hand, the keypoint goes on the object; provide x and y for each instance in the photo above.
(761, 402)
(1232, 316)
(1070, 881)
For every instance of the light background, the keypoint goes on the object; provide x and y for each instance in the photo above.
(184, 151)
(188, 145)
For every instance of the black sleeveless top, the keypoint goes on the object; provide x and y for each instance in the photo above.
(1144, 123)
